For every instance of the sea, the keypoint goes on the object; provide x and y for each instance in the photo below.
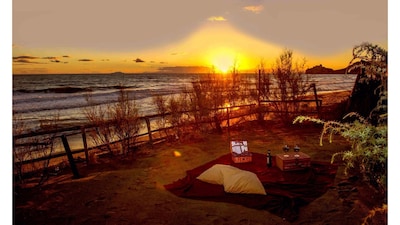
(37, 98)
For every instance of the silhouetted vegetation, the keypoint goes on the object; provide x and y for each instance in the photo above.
(285, 87)
(367, 157)
(369, 96)
(30, 148)
(114, 121)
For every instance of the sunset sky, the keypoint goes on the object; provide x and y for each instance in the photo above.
(177, 35)
(131, 36)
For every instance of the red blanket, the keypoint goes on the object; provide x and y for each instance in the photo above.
(286, 191)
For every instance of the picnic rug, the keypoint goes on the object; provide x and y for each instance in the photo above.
(286, 191)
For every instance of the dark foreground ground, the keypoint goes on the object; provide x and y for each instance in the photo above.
(131, 190)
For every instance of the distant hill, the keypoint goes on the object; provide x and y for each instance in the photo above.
(319, 69)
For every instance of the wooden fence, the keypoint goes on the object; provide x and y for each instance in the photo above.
(147, 137)
(143, 138)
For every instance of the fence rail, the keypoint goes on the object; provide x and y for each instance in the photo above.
(144, 138)
(147, 137)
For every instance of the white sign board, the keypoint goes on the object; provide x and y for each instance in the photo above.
(239, 146)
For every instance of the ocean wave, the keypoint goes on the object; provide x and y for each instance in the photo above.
(44, 101)
(69, 89)
(36, 97)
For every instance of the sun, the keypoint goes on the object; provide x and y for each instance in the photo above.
(223, 61)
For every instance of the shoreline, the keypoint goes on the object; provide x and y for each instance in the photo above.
(76, 143)
(42, 106)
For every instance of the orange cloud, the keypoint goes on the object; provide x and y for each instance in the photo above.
(216, 18)
(254, 8)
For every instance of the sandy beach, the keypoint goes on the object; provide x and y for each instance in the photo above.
(131, 190)
(119, 107)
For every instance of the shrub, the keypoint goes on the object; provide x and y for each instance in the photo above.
(99, 117)
(119, 120)
(126, 120)
(368, 153)
(367, 135)
(29, 148)
(288, 85)
(371, 84)
(160, 101)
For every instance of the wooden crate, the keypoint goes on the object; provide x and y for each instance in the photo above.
(292, 161)
(240, 152)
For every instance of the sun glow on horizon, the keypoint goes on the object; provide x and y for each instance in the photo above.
(212, 45)
(223, 62)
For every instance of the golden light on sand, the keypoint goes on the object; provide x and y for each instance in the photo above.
(177, 154)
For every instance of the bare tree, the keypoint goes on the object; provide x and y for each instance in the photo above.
(119, 120)
(125, 117)
(160, 101)
(49, 145)
(30, 148)
(20, 147)
(99, 117)
(262, 90)
(291, 86)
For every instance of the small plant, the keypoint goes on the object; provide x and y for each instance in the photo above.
(375, 212)
(368, 153)
(28, 148)
(119, 120)
(160, 101)
(49, 144)
(125, 117)
(99, 117)
(290, 85)
(371, 84)
(367, 135)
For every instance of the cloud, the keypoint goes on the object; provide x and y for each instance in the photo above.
(65, 56)
(217, 19)
(85, 60)
(254, 8)
(28, 59)
(25, 59)
(184, 69)
(54, 59)
(178, 53)
(50, 57)
(138, 60)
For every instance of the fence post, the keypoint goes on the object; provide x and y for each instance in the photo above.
(316, 99)
(149, 129)
(85, 144)
(259, 88)
(70, 157)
